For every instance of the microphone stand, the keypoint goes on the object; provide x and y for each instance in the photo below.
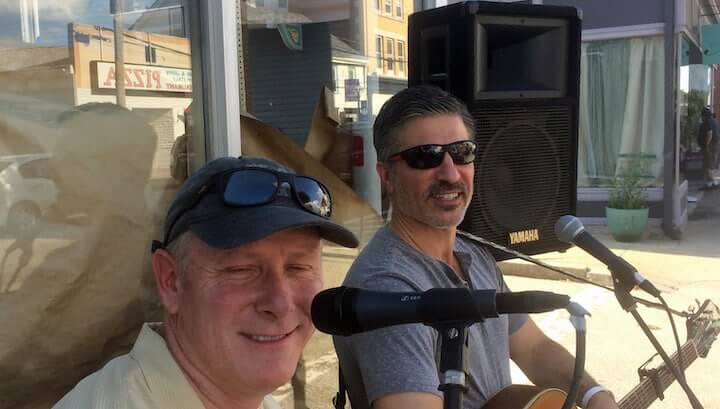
(454, 354)
(627, 302)
(453, 362)
(577, 318)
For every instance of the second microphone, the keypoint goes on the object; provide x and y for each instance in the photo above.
(347, 311)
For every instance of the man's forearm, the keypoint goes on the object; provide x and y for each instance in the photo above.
(547, 364)
(554, 367)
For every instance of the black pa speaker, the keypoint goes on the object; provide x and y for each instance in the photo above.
(517, 67)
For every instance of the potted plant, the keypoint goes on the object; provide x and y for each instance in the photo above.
(627, 210)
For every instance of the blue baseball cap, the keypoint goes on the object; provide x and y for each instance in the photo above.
(222, 225)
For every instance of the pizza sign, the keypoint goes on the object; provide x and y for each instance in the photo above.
(145, 77)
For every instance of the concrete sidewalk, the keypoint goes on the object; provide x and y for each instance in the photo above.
(668, 263)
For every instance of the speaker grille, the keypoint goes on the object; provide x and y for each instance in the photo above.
(523, 176)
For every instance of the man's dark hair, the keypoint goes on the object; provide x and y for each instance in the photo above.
(414, 102)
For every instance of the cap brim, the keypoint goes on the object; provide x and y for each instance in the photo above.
(239, 226)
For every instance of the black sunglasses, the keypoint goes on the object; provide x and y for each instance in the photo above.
(257, 187)
(431, 156)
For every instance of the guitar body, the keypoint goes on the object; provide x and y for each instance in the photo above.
(527, 397)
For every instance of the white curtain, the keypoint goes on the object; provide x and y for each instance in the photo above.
(621, 106)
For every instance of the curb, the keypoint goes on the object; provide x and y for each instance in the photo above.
(523, 268)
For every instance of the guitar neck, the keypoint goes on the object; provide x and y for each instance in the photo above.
(645, 393)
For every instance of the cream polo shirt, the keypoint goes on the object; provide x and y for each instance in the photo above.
(146, 378)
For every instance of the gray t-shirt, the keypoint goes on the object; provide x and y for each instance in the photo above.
(404, 358)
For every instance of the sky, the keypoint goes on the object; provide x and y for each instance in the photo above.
(55, 15)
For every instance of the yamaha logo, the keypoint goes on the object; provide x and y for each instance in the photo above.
(524, 236)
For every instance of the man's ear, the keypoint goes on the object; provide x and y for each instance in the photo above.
(383, 171)
(167, 280)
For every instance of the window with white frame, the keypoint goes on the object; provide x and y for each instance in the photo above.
(389, 54)
(399, 8)
(401, 55)
(388, 7)
(379, 51)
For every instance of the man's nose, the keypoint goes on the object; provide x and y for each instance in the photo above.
(275, 297)
(447, 170)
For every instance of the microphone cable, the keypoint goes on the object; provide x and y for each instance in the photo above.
(525, 257)
(662, 306)
(681, 364)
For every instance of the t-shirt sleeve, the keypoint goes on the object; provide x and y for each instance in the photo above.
(396, 359)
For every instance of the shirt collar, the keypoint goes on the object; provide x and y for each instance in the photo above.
(164, 378)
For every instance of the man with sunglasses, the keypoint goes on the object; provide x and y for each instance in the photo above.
(236, 273)
(423, 138)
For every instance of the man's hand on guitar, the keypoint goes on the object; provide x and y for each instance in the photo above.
(602, 400)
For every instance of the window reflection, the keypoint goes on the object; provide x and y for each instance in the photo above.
(316, 74)
(693, 95)
(354, 49)
(84, 182)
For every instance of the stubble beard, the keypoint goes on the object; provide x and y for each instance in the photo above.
(420, 209)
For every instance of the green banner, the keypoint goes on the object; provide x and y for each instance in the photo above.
(711, 44)
(291, 35)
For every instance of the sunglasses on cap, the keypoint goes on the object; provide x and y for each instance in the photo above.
(256, 187)
(431, 156)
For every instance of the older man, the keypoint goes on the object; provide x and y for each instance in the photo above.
(424, 142)
(236, 273)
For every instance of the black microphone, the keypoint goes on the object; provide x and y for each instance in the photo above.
(569, 229)
(347, 311)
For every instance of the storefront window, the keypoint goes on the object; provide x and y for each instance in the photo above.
(621, 109)
(87, 169)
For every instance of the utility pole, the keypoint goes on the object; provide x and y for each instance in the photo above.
(117, 9)
(29, 21)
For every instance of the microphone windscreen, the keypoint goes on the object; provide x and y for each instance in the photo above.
(530, 302)
(327, 311)
(567, 228)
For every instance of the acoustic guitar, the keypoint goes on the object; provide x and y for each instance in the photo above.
(703, 327)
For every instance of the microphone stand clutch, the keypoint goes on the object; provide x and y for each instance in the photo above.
(453, 362)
